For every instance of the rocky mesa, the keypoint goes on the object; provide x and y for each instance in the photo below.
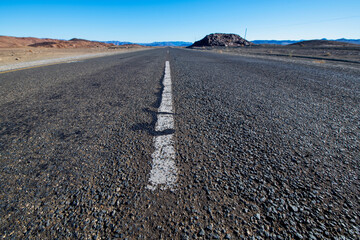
(222, 39)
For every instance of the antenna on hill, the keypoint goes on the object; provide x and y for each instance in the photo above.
(245, 33)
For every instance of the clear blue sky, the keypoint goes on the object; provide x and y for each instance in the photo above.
(181, 20)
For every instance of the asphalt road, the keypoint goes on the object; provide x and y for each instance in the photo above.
(263, 149)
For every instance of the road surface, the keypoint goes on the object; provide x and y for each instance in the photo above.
(180, 144)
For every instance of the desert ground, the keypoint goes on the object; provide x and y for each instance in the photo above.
(17, 50)
(316, 53)
(28, 54)
(26, 49)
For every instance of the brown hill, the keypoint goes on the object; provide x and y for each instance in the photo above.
(16, 42)
(71, 44)
(222, 39)
(13, 42)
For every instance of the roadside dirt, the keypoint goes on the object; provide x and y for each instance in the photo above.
(27, 54)
(321, 54)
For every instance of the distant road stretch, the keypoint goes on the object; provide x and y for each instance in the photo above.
(180, 144)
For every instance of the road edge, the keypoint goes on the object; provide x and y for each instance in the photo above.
(52, 61)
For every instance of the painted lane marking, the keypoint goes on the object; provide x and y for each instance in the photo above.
(164, 171)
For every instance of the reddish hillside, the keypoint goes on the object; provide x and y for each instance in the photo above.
(15, 42)
(11, 42)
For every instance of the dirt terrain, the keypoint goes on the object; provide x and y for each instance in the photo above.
(323, 43)
(15, 50)
(28, 54)
(318, 51)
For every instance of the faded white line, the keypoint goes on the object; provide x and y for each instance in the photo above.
(164, 171)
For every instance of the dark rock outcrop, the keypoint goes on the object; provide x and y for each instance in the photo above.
(222, 39)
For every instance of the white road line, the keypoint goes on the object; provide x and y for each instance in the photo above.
(164, 171)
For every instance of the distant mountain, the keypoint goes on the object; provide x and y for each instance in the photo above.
(155, 44)
(275, 42)
(287, 42)
(186, 44)
(353, 41)
(118, 42)
(167, 44)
